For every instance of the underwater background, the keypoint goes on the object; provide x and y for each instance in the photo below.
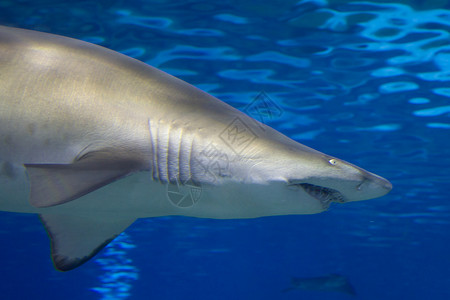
(365, 81)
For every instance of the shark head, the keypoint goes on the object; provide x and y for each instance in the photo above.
(276, 175)
(295, 179)
(335, 180)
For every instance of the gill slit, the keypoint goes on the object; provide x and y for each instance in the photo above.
(167, 151)
(173, 157)
(162, 151)
(154, 145)
(178, 154)
(191, 150)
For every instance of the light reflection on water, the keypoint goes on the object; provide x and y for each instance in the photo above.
(118, 270)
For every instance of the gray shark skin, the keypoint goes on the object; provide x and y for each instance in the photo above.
(330, 283)
(92, 140)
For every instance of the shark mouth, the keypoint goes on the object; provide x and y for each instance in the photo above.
(323, 194)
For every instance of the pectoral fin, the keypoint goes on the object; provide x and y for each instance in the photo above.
(76, 239)
(56, 184)
(53, 184)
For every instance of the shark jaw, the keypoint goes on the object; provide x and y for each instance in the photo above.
(326, 194)
(322, 194)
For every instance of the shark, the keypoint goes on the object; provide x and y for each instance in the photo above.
(330, 283)
(92, 140)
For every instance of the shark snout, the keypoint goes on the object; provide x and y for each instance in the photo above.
(372, 186)
(380, 182)
(355, 183)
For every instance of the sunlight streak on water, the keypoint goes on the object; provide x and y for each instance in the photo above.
(118, 271)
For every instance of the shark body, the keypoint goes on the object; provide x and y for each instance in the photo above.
(329, 283)
(91, 140)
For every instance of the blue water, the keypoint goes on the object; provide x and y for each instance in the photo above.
(365, 81)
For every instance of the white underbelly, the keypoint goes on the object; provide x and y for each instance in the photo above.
(139, 196)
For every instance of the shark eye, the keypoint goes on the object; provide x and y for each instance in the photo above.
(333, 162)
